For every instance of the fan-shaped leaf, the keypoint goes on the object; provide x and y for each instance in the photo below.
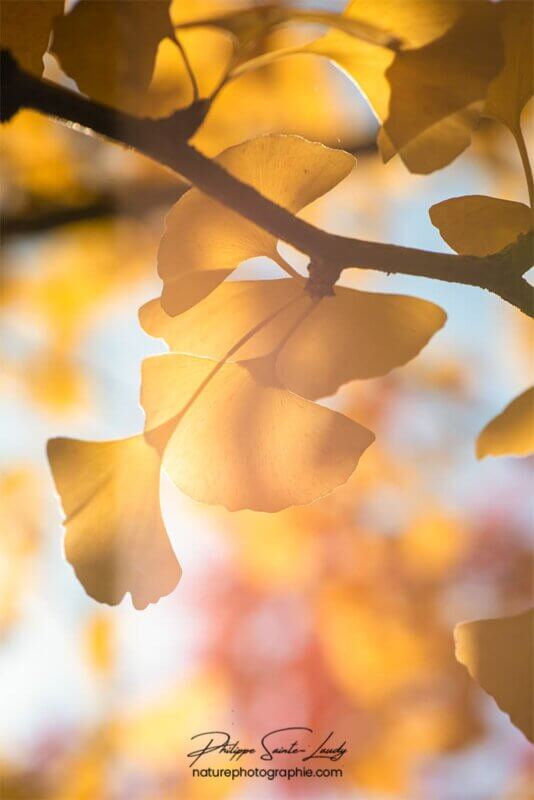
(115, 537)
(347, 336)
(478, 225)
(109, 48)
(230, 434)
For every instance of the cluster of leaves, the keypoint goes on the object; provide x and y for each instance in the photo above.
(234, 424)
(231, 413)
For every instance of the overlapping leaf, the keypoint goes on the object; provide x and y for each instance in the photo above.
(513, 87)
(232, 435)
(115, 536)
(428, 96)
(499, 655)
(194, 257)
(348, 336)
(109, 48)
(25, 27)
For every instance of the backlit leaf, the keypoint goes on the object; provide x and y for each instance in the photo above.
(510, 433)
(478, 225)
(447, 76)
(513, 86)
(115, 537)
(426, 96)
(109, 48)
(25, 27)
(347, 336)
(232, 435)
(498, 655)
(204, 241)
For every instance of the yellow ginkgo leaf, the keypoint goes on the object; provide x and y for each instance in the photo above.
(513, 87)
(25, 27)
(109, 48)
(347, 336)
(498, 655)
(446, 76)
(478, 225)
(436, 146)
(232, 435)
(428, 96)
(115, 537)
(204, 241)
(510, 433)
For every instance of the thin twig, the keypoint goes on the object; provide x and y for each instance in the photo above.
(525, 161)
(189, 68)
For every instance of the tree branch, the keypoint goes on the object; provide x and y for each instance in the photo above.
(166, 141)
(135, 200)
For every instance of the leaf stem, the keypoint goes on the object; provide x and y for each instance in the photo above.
(525, 161)
(189, 68)
(159, 436)
(283, 264)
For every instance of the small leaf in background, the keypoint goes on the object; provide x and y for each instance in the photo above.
(510, 433)
(204, 241)
(20, 531)
(231, 435)
(25, 27)
(478, 225)
(115, 537)
(498, 655)
(371, 655)
(109, 48)
(100, 643)
(351, 335)
(512, 88)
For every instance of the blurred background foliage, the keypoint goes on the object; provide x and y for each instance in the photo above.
(337, 616)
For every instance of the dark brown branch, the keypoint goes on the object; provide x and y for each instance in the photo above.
(166, 141)
(134, 201)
